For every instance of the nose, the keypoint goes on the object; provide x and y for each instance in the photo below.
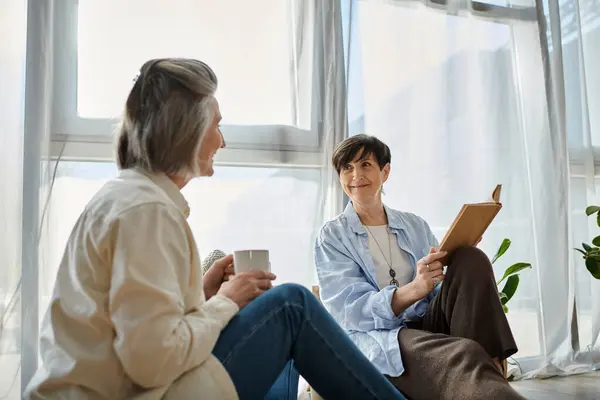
(223, 144)
(356, 174)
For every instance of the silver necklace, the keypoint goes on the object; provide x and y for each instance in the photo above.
(392, 272)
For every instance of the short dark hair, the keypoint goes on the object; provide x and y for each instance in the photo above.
(362, 144)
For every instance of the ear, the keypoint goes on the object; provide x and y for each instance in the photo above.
(386, 172)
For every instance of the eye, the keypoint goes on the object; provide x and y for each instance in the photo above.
(347, 167)
(366, 164)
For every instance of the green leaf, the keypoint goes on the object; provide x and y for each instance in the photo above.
(593, 266)
(505, 309)
(592, 210)
(513, 269)
(582, 252)
(598, 219)
(587, 247)
(501, 250)
(510, 287)
(503, 297)
(596, 241)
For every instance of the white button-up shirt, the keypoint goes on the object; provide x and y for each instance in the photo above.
(128, 315)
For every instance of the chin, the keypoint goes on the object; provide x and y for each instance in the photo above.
(362, 197)
(206, 168)
(207, 172)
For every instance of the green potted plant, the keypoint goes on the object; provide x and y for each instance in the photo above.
(591, 254)
(511, 275)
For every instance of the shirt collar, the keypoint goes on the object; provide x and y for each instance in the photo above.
(394, 219)
(165, 183)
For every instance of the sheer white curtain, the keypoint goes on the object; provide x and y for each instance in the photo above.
(461, 98)
(25, 72)
(573, 47)
(12, 81)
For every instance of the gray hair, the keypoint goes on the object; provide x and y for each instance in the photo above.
(167, 113)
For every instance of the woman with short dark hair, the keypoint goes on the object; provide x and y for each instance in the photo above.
(380, 272)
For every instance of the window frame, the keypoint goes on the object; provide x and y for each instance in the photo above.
(99, 148)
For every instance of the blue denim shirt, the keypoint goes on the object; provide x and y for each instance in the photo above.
(346, 275)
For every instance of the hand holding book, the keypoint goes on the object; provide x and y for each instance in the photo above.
(470, 224)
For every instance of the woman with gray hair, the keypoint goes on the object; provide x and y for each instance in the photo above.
(132, 315)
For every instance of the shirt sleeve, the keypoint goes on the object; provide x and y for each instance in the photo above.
(156, 341)
(354, 302)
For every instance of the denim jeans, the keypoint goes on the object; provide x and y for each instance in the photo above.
(286, 385)
(288, 323)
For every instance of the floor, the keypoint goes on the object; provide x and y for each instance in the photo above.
(580, 387)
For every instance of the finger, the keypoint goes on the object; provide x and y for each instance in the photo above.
(438, 273)
(264, 284)
(430, 258)
(428, 263)
(433, 274)
(224, 262)
(435, 266)
(229, 270)
(259, 274)
(432, 250)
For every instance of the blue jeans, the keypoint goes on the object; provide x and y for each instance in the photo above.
(288, 323)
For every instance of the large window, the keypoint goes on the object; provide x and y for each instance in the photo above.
(266, 193)
(252, 56)
(262, 54)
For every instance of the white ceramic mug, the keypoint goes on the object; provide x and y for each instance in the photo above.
(251, 260)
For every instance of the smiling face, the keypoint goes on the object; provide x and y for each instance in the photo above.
(362, 178)
(211, 143)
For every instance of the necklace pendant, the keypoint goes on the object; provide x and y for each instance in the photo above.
(394, 282)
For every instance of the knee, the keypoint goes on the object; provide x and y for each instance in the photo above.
(471, 259)
(291, 292)
(470, 351)
(471, 253)
(470, 347)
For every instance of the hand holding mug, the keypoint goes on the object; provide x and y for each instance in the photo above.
(244, 287)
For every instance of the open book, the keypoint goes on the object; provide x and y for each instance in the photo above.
(471, 223)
